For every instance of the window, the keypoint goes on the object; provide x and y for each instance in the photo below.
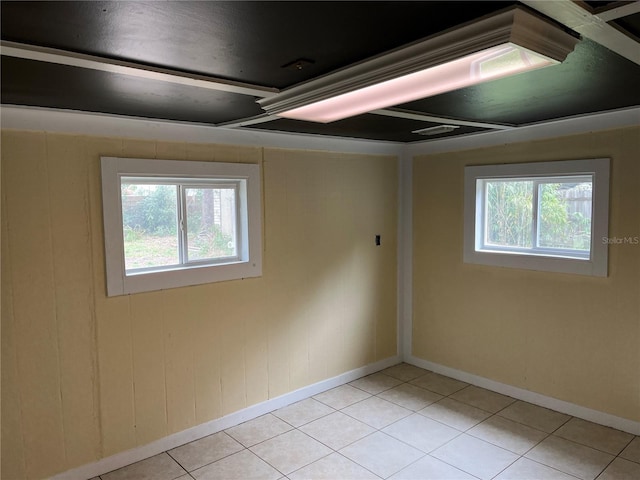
(540, 216)
(176, 223)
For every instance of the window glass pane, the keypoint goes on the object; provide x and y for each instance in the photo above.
(211, 223)
(565, 215)
(509, 213)
(149, 224)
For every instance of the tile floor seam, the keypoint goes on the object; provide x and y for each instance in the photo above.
(307, 423)
(321, 402)
(172, 458)
(628, 460)
(526, 425)
(628, 443)
(539, 406)
(313, 438)
(272, 466)
(310, 463)
(580, 445)
(182, 474)
(471, 405)
(368, 470)
(547, 435)
(205, 464)
(267, 462)
(328, 446)
(445, 424)
(407, 466)
(372, 426)
(588, 446)
(426, 453)
(605, 468)
(549, 466)
(393, 439)
(284, 433)
(217, 460)
(571, 417)
(444, 461)
(452, 465)
(505, 468)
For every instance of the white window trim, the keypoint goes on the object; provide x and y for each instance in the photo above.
(596, 265)
(248, 265)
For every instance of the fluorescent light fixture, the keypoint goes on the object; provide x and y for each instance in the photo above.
(498, 46)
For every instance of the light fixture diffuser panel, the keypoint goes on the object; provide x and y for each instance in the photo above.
(512, 42)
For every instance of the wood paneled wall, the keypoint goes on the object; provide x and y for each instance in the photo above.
(85, 376)
(571, 337)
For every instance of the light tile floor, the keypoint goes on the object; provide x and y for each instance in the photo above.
(403, 423)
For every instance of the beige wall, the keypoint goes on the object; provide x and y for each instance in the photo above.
(570, 337)
(85, 376)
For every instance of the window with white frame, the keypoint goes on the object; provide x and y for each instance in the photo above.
(177, 223)
(541, 216)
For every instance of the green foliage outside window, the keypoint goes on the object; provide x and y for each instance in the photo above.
(150, 226)
(510, 214)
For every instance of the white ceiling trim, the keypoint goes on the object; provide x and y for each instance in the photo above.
(591, 26)
(244, 122)
(98, 124)
(399, 113)
(62, 57)
(619, 12)
(83, 123)
(628, 117)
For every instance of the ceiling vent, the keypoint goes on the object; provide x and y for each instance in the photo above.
(437, 130)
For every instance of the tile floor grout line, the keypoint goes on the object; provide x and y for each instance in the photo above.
(172, 458)
(505, 468)
(265, 460)
(585, 445)
(362, 466)
(575, 443)
(214, 461)
(526, 425)
(310, 463)
(628, 443)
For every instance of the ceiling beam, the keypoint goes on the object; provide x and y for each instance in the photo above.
(63, 57)
(411, 115)
(591, 26)
(619, 12)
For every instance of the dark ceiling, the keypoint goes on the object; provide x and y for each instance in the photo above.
(251, 42)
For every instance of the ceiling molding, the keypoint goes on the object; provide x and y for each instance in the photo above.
(99, 124)
(245, 122)
(591, 26)
(411, 115)
(63, 57)
(628, 117)
(74, 122)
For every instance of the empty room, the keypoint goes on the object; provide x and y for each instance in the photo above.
(320, 240)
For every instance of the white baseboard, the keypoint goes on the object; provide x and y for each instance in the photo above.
(572, 409)
(180, 438)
